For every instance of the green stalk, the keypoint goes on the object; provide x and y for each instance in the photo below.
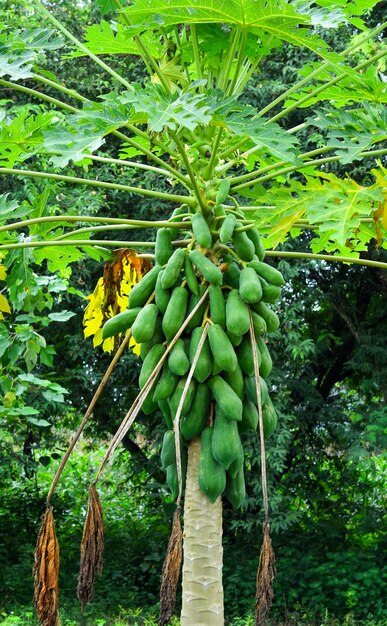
(97, 220)
(320, 69)
(93, 229)
(224, 74)
(39, 94)
(145, 54)
(140, 166)
(82, 47)
(78, 242)
(326, 257)
(268, 168)
(295, 168)
(189, 169)
(335, 80)
(99, 183)
(239, 62)
(51, 83)
(195, 47)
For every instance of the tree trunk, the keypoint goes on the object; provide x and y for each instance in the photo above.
(203, 552)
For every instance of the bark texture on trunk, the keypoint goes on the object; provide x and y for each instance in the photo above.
(203, 552)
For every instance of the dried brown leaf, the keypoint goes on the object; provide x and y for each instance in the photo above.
(45, 571)
(91, 548)
(171, 571)
(265, 578)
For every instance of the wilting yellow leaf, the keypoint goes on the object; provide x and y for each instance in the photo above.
(4, 306)
(110, 295)
(3, 272)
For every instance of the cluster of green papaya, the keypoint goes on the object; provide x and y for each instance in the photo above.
(214, 253)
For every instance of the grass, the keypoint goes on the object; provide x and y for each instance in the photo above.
(137, 617)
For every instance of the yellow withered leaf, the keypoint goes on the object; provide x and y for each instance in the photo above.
(4, 305)
(110, 295)
(3, 272)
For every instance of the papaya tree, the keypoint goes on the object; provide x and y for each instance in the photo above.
(231, 183)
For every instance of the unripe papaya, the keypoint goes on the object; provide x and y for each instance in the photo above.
(226, 399)
(250, 288)
(205, 362)
(268, 273)
(269, 417)
(140, 293)
(255, 237)
(175, 314)
(190, 276)
(158, 337)
(243, 246)
(222, 349)
(236, 381)
(270, 293)
(201, 230)
(151, 360)
(259, 324)
(192, 424)
(174, 400)
(166, 411)
(217, 305)
(166, 384)
(178, 360)
(161, 295)
(144, 325)
(206, 268)
(237, 464)
(168, 449)
(249, 417)
(270, 317)
(173, 268)
(251, 390)
(236, 489)
(237, 314)
(227, 228)
(119, 323)
(225, 440)
(245, 356)
(266, 362)
(231, 276)
(198, 316)
(163, 248)
(212, 476)
(223, 191)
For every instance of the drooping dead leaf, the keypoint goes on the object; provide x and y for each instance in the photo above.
(45, 571)
(111, 293)
(265, 578)
(91, 548)
(171, 571)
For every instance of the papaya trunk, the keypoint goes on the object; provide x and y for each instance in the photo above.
(203, 552)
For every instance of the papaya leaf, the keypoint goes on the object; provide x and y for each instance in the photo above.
(109, 38)
(277, 17)
(21, 135)
(270, 135)
(70, 145)
(352, 131)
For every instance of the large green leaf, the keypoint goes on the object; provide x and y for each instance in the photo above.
(21, 135)
(242, 121)
(352, 131)
(335, 207)
(277, 17)
(103, 38)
